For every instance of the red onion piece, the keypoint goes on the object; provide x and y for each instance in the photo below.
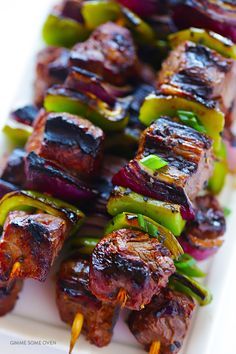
(196, 252)
(218, 21)
(6, 187)
(140, 7)
(44, 177)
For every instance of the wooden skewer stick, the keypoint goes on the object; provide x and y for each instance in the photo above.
(122, 297)
(76, 330)
(15, 270)
(155, 347)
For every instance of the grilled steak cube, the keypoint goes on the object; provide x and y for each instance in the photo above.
(25, 115)
(165, 319)
(32, 240)
(8, 295)
(195, 71)
(74, 296)
(129, 260)
(51, 68)
(190, 163)
(109, 52)
(69, 141)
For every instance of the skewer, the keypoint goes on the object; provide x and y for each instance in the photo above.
(76, 330)
(122, 297)
(155, 347)
(15, 270)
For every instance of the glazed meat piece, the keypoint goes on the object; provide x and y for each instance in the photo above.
(8, 295)
(197, 72)
(30, 243)
(14, 169)
(190, 163)
(74, 296)
(165, 319)
(209, 222)
(132, 261)
(203, 236)
(25, 115)
(109, 52)
(69, 141)
(51, 68)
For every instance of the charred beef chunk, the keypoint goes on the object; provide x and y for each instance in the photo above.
(25, 115)
(190, 164)
(209, 220)
(51, 68)
(109, 52)
(129, 260)
(165, 319)
(74, 296)
(203, 235)
(32, 240)
(14, 169)
(195, 71)
(8, 295)
(69, 141)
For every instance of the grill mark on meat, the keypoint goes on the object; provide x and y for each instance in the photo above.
(60, 130)
(109, 52)
(131, 260)
(32, 240)
(166, 319)
(190, 164)
(73, 296)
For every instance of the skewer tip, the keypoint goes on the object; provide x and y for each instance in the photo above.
(122, 298)
(155, 347)
(76, 330)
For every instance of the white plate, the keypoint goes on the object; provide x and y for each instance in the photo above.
(35, 316)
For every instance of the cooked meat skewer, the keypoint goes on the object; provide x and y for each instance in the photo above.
(74, 297)
(132, 261)
(188, 164)
(9, 292)
(165, 321)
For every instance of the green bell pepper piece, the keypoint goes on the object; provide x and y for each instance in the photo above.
(210, 39)
(63, 32)
(98, 112)
(167, 214)
(85, 245)
(187, 265)
(142, 32)
(96, 12)
(29, 200)
(156, 106)
(132, 221)
(190, 287)
(217, 181)
(17, 132)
